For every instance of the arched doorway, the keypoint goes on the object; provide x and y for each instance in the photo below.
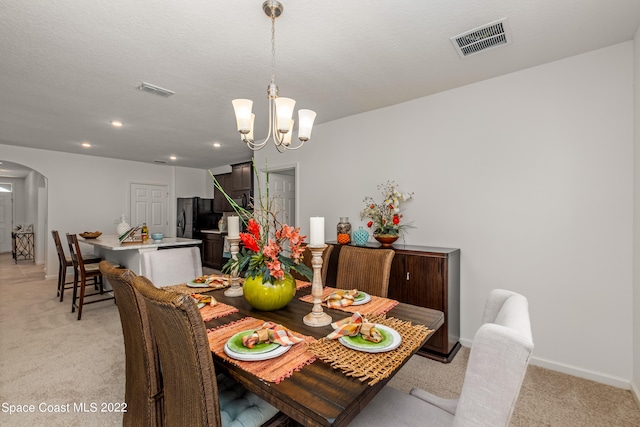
(26, 205)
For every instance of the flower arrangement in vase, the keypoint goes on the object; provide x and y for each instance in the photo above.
(270, 250)
(385, 217)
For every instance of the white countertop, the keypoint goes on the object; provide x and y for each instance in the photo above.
(111, 242)
(214, 231)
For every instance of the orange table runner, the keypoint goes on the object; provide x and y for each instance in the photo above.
(377, 305)
(271, 370)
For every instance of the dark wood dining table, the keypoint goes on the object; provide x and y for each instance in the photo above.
(317, 395)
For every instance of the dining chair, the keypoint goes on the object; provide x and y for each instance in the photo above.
(85, 272)
(193, 394)
(143, 384)
(166, 267)
(498, 362)
(306, 259)
(364, 269)
(64, 262)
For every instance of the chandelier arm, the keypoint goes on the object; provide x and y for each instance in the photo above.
(273, 9)
(296, 147)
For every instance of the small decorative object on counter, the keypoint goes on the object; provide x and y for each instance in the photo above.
(360, 236)
(222, 225)
(123, 227)
(144, 233)
(344, 231)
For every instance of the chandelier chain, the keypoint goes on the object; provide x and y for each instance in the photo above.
(273, 47)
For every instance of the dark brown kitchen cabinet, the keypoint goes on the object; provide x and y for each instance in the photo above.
(428, 277)
(242, 177)
(212, 248)
(220, 203)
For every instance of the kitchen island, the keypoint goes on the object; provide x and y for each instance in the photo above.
(128, 254)
(214, 254)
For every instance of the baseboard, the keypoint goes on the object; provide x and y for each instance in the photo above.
(577, 372)
(50, 277)
(635, 391)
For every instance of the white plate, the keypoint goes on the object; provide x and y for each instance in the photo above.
(364, 300)
(255, 357)
(197, 285)
(391, 341)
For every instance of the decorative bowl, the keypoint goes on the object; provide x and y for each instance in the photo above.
(157, 236)
(91, 234)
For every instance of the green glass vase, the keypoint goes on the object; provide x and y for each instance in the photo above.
(269, 296)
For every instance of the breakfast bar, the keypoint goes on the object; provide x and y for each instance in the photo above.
(128, 253)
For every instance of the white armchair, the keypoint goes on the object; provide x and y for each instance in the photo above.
(167, 267)
(498, 361)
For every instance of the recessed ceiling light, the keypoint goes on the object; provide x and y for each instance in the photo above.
(86, 145)
(172, 157)
(116, 123)
(217, 144)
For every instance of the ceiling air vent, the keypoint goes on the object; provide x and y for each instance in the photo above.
(156, 90)
(486, 37)
(162, 162)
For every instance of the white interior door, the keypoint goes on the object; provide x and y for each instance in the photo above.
(6, 213)
(149, 203)
(283, 191)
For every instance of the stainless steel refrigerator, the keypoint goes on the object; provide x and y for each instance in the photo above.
(195, 214)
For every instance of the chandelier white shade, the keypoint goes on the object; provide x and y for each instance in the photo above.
(281, 110)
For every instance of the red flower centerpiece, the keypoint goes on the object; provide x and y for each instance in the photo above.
(270, 250)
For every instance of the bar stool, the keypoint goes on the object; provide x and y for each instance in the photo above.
(64, 262)
(85, 272)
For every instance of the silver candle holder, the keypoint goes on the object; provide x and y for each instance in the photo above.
(235, 290)
(317, 317)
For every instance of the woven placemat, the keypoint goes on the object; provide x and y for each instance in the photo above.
(302, 284)
(271, 370)
(207, 312)
(377, 306)
(183, 288)
(219, 310)
(371, 367)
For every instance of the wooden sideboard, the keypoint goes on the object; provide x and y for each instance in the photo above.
(424, 276)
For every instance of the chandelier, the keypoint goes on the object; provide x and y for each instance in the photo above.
(280, 109)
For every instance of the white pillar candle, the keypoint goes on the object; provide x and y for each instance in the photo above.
(317, 231)
(233, 224)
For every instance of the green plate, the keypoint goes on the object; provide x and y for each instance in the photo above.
(391, 339)
(235, 344)
(361, 298)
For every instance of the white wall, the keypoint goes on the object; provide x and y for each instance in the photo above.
(193, 183)
(34, 182)
(529, 174)
(88, 193)
(636, 227)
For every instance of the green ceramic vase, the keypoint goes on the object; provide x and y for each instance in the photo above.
(269, 296)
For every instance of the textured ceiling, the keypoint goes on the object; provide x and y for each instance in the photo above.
(69, 67)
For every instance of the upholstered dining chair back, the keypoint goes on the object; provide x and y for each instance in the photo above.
(167, 267)
(306, 259)
(191, 389)
(498, 361)
(364, 269)
(143, 390)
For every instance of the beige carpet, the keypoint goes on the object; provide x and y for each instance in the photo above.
(48, 357)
